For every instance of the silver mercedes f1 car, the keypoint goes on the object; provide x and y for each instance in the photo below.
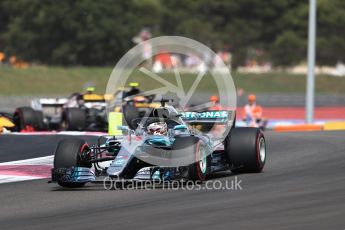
(166, 145)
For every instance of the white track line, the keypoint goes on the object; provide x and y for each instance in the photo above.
(48, 160)
(8, 179)
(70, 133)
(29, 169)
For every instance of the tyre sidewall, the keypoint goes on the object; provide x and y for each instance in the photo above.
(74, 119)
(25, 116)
(243, 149)
(67, 155)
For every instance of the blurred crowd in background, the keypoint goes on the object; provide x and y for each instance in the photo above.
(248, 35)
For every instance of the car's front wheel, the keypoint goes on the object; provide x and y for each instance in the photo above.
(198, 171)
(195, 151)
(69, 154)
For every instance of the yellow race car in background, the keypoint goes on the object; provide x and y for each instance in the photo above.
(6, 123)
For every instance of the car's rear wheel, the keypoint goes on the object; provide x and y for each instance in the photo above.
(40, 121)
(25, 118)
(69, 153)
(246, 150)
(73, 119)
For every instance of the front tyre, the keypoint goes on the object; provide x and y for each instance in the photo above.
(69, 153)
(198, 171)
(193, 147)
(246, 150)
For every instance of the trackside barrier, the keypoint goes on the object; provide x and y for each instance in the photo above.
(302, 127)
(328, 126)
(337, 125)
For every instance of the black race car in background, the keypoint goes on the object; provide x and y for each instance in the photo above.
(83, 112)
(79, 112)
(133, 103)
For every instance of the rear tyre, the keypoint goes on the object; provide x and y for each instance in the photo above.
(68, 154)
(40, 120)
(246, 149)
(73, 119)
(24, 118)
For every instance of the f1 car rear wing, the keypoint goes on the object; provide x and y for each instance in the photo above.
(97, 97)
(221, 116)
(48, 102)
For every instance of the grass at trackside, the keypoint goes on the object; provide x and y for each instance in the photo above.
(64, 81)
(50, 80)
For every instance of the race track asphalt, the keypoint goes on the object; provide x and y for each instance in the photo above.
(302, 187)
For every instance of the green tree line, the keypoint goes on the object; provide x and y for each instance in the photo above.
(89, 32)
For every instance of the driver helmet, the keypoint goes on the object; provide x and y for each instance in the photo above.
(157, 128)
(90, 89)
(133, 84)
